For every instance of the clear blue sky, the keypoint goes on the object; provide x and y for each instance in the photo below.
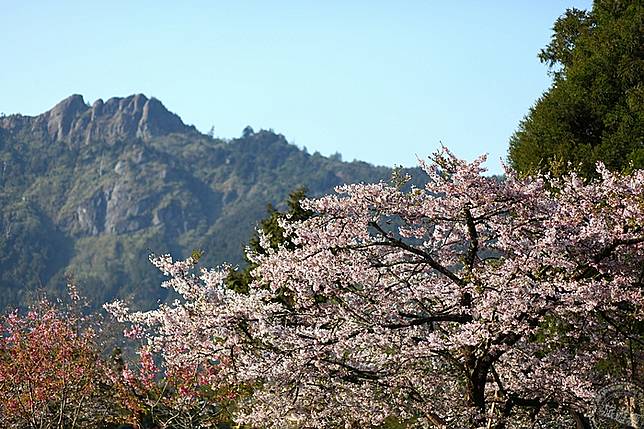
(380, 81)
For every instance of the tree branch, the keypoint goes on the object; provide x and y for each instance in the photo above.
(421, 320)
(424, 255)
(470, 256)
(614, 245)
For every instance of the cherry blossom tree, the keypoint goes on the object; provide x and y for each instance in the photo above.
(52, 374)
(471, 302)
(180, 397)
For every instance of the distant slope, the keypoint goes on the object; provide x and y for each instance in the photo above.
(92, 190)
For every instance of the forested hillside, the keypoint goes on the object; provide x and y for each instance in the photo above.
(91, 191)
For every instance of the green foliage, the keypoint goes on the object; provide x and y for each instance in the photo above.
(239, 280)
(398, 177)
(196, 254)
(594, 110)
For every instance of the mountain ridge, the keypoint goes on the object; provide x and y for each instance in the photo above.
(92, 190)
(72, 120)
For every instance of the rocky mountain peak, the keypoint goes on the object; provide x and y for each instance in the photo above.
(71, 105)
(118, 118)
(61, 117)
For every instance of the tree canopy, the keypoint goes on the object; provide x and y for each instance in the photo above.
(594, 109)
(469, 302)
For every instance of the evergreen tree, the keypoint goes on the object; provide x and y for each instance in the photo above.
(240, 279)
(594, 110)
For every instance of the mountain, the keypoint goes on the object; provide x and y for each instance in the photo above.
(89, 191)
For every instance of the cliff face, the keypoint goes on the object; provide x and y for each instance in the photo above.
(92, 190)
(116, 201)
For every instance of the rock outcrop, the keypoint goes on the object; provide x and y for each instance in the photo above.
(74, 121)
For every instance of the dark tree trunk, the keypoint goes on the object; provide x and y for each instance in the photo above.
(581, 421)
